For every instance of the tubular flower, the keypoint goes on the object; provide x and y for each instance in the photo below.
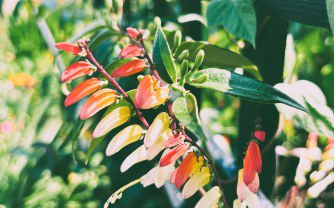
(139, 155)
(149, 93)
(174, 140)
(243, 189)
(131, 51)
(97, 102)
(260, 135)
(184, 170)
(76, 70)
(159, 145)
(171, 155)
(159, 125)
(210, 199)
(195, 182)
(157, 175)
(112, 120)
(134, 33)
(82, 90)
(252, 162)
(125, 137)
(70, 48)
(130, 68)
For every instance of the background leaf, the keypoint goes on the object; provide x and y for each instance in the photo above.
(186, 111)
(162, 57)
(237, 16)
(218, 57)
(243, 87)
(330, 12)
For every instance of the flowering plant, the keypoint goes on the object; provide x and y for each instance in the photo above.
(176, 131)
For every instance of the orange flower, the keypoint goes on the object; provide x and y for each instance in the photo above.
(131, 51)
(22, 80)
(149, 94)
(134, 33)
(172, 155)
(184, 170)
(76, 70)
(97, 102)
(82, 90)
(260, 135)
(69, 47)
(174, 140)
(130, 68)
(252, 163)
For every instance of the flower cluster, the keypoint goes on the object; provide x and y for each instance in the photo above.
(248, 178)
(165, 134)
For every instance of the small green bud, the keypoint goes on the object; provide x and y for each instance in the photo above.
(184, 54)
(157, 20)
(177, 40)
(140, 77)
(189, 75)
(199, 59)
(203, 78)
(183, 69)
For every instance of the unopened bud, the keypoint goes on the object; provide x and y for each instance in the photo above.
(184, 54)
(140, 77)
(177, 40)
(157, 20)
(183, 69)
(199, 59)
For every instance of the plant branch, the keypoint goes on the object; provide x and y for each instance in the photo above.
(116, 85)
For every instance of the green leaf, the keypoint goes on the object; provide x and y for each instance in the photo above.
(243, 87)
(330, 12)
(218, 57)
(74, 135)
(93, 144)
(237, 16)
(117, 63)
(162, 57)
(186, 111)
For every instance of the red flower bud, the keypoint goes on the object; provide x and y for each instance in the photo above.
(133, 32)
(185, 169)
(69, 47)
(131, 51)
(82, 90)
(76, 70)
(174, 140)
(260, 135)
(252, 162)
(130, 68)
(172, 155)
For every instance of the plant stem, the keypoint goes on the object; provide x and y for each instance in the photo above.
(210, 162)
(117, 86)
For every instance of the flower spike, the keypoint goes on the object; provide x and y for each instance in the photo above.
(76, 70)
(97, 102)
(130, 68)
(131, 51)
(82, 90)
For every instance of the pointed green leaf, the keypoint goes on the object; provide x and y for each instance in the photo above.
(243, 87)
(237, 16)
(218, 57)
(162, 57)
(186, 111)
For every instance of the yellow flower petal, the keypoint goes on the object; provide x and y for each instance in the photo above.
(196, 182)
(159, 125)
(139, 155)
(114, 119)
(210, 199)
(127, 136)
